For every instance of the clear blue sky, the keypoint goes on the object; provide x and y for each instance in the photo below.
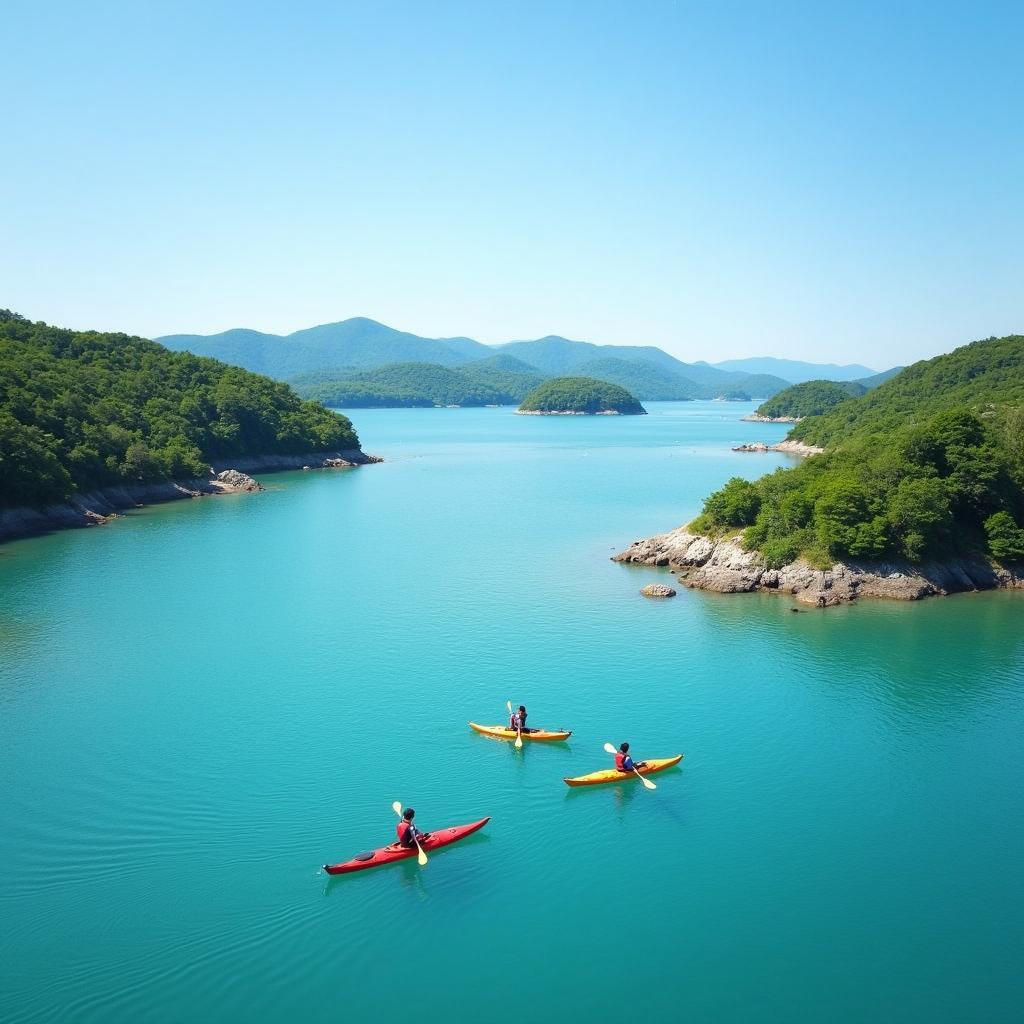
(832, 182)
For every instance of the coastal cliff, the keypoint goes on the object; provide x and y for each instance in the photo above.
(100, 506)
(725, 567)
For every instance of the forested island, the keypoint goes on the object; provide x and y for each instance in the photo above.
(82, 411)
(921, 484)
(814, 397)
(811, 398)
(580, 396)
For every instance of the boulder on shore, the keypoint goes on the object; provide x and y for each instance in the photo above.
(233, 480)
(657, 590)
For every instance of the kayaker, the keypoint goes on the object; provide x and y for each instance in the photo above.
(408, 833)
(517, 722)
(624, 763)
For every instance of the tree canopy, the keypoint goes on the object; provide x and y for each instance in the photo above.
(81, 409)
(811, 398)
(581, 395)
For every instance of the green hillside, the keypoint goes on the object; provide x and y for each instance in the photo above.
(582, 395)
(314, 355)
(646, 380)
(928, 464)
(811, 398)
(409, 384)
(753, 385)
(357, 342)
(505, 374)
(80, 410)
(974, 377)
(879, 378)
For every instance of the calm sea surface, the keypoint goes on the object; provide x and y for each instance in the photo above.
(203, 702)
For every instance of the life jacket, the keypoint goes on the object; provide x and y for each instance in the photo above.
(620, 760)
(513, 722)
(402, 828)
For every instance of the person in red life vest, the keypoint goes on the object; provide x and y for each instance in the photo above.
(624, 763)
(517, 720)
(408, 833)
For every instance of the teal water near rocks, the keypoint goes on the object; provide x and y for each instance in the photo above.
(203, 702)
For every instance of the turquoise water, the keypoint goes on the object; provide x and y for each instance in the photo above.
(203, 702)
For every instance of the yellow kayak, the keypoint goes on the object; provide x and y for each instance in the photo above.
(657, 764)
(503, 732)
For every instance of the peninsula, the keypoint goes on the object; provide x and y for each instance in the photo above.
(919, 490)
(91, 423)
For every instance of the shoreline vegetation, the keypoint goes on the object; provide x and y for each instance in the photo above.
(95, 422)
(916, 487)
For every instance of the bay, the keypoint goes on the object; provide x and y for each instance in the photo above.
(204, 701)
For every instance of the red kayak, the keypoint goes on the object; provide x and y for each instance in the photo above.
(389, 854)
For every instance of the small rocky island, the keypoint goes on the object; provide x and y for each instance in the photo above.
(580, 396)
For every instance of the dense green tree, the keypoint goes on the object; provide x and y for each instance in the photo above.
(736, 504)
(810, 398)
(80, 410)
(938, 476)
(1005, 537)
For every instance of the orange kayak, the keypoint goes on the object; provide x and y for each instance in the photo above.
(657, 764)
(503, 732)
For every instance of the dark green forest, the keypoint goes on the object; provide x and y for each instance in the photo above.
(931, 463)
(80, 410)
(581, 395)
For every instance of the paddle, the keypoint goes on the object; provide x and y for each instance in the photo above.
(647, 782)
(519, 732)
(422, 858)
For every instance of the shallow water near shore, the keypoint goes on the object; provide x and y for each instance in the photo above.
(204, 701)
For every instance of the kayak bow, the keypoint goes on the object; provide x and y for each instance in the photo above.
(614, 775)
(389, 854)
(503, 732)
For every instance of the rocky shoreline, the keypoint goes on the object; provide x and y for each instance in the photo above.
(789, 447)
(226, 477)
(724, 567)
(754, 418)
(572, 412)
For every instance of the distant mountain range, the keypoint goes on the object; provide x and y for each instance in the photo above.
(321, 358)
(796, 371)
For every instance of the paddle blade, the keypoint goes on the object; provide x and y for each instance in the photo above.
(508, 704)
(610, 748)
(519, 741)
(422, 858)
(647, 783)
(397, 808)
